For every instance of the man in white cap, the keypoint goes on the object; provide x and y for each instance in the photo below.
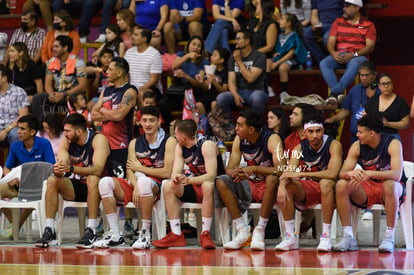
(350, 40)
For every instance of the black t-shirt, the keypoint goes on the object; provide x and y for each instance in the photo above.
(395, 112)
(25, 79)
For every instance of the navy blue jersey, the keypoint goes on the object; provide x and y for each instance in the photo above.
(316, 161)
(81, 156)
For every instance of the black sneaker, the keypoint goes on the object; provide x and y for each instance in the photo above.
(87, 240)
(48, 238)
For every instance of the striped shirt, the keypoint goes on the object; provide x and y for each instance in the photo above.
(142, 65)
(33, 40)
(350, 38)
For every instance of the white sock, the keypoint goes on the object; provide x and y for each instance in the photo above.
(206, 222)
(389, 233)
(146, 225)
(262, 222)
(348, 231)
(326, 229)
(50, 223)
(113, 223)
(92, 224)
(239, 222)
(290, 226)
(175, 226)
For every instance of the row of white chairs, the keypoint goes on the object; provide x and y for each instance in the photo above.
(222, 219)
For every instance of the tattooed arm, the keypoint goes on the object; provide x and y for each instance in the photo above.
(128, 102)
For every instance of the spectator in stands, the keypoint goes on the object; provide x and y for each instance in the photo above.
(99, 75)
(358, 97)
(277, 121)
(24, 72)
(77, 104)
(246, 77)
(29, 148)
(228, 21)
(393, 109)
(64, 76)
(187, 19)
(145, 63)
(29, 34)
(113, 41)
(189, 72)
(126, 22)
(80, 164)
(115, 109)
(219, 81)
(45, 8)
(152, 15)
(319, 163)
(263, 27)
(300, 8)
(52, 130)
(290, 52)
(323, 14)
(109, 6)
(204, 162)
(150, 160)
(62, 25)
(351, 39)
(13, 104)
(256, 182)
(379, 180)
(86, 10)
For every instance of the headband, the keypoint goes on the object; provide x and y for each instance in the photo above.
(312, 124)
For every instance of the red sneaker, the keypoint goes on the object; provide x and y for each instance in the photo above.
(206, 241)
(170, 240)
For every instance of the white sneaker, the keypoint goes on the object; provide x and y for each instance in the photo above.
(84, 39)
(243, 235)
(325, 243)
(270, 92)
(109, 240)
(367, 216)
(101, 38)
(290, 242)
(258, 239)
(144, 240)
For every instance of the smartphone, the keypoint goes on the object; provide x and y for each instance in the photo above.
(373, 86)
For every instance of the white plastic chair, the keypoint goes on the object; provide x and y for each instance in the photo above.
(31, 192)
(406, 216)
(81, 209)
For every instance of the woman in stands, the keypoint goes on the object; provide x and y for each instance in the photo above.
(278, 122)
(393, 109)
(125, 20)
(228, 20)
(24, 72)
(52, 130)
(152, 15)
(263, 26)
(62, 25)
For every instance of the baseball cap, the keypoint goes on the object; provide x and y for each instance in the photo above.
(355, 2)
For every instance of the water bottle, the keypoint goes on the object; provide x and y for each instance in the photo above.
(177, 28)
(222, 151)
(309, 61)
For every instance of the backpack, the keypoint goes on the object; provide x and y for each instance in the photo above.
(221, 125)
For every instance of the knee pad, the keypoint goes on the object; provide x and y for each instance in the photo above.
(106, 187)
(144, 186)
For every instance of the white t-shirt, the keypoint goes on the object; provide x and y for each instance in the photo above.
(141, 65)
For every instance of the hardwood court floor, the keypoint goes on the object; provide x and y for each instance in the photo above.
(65, 260)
